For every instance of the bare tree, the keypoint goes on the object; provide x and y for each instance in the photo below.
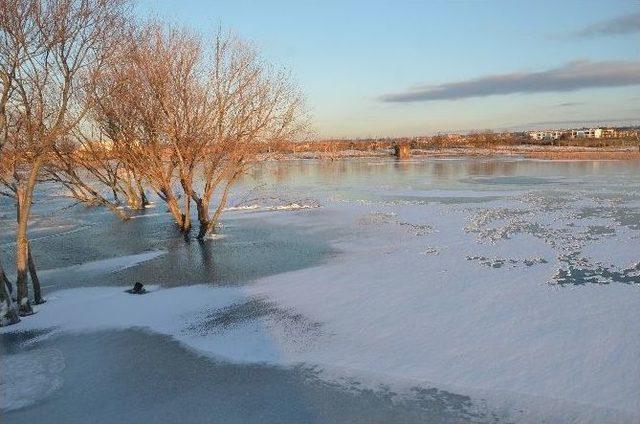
(132, 110)
(87, 169)
(191, 118)
(99, 170)
(252, 105)
(50, 52)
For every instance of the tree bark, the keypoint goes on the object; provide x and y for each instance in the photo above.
(8, 310)
(22, 290)
(132, 193)
(35, 281)
(223, 203)
(172, 204)
(4, 279)
(186, 216)
(143, 196)
(203, 218)
(207, 223)
(24, 197)
(145, 199)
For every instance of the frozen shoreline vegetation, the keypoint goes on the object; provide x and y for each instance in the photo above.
(546, 152)
(521, 294)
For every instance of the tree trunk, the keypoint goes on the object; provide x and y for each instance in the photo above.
(203, 218)
(133, 199)
(8, 311)
(178, 216)
(144, 199)
(5, 280)
(223, 203)
(22, 290)
(23, 208)
(143, 196)
(35, 281)
(186, 216)
(207, 224)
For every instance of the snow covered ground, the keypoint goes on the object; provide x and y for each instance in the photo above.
(525, 298)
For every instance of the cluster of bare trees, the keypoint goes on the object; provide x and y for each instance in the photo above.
(110, 109)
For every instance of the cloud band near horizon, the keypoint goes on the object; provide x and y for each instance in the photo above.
(627, 24)
(573, 76)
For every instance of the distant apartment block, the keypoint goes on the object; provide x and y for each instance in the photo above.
(545, 135)
(587, 133)
(610, 133)
(542, 135)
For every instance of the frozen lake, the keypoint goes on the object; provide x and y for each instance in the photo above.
(460, 290)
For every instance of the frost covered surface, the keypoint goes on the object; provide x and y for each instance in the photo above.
(526, 297)
(278, 203)
(445, 319)
(29, 377)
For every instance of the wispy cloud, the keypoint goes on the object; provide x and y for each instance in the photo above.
(569, 104)
(573, 76)
(626, 24)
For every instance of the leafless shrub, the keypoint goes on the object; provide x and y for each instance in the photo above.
(50, 54)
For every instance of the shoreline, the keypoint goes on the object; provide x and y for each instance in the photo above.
(523, 151)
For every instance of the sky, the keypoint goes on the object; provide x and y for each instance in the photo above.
(409, 68)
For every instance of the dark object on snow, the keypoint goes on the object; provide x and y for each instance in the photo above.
(138, 288)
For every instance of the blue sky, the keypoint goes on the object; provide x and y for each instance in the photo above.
(349, 56)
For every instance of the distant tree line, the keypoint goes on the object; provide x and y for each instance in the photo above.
(475, 139)
(486, 139)
(111, 109)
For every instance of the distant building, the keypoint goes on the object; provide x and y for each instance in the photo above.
(587, 133)
(627, 133)
(609, 133)
(546, 135)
